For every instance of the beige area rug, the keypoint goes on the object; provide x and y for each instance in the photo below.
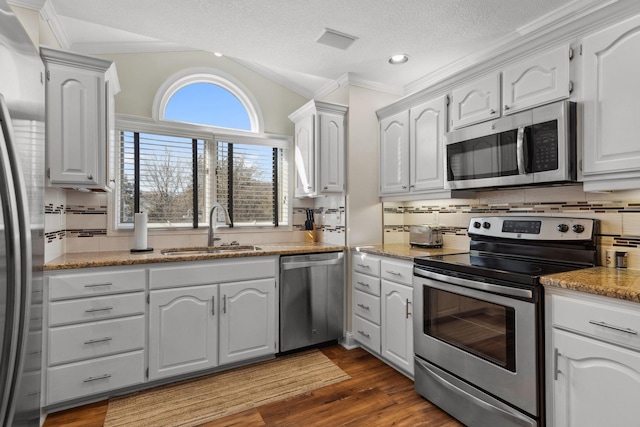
(193, 402)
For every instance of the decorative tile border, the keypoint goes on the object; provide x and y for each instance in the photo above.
(54, 235)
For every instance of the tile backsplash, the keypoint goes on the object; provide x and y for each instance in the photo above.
(618, 214)
(77, 222)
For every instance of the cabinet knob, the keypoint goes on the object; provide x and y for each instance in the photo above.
(326, 188)
(412, 186)
(404, 187)
(492, 112)
(90, 177)
(506, 107)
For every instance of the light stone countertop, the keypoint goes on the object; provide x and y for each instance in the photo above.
(405, 251)
(620, 283)
(115, 258)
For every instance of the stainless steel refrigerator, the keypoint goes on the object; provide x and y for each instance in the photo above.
(22, 118)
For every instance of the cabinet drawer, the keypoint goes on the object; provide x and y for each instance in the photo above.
(95, 339)
(367, 306)
(365, 283)
(396, 271)
(93, 284)
(612, 323)
(367, 264)
(83, 379)
(366, 333)
(98, 308)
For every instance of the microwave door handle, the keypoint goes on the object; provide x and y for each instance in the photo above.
(520, 151)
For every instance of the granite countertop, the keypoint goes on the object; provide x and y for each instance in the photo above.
(405, 251)
(115, 258)
(620, 283)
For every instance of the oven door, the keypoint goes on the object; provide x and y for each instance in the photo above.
(486, 339)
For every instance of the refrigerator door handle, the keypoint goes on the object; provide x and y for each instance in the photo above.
(18, 254)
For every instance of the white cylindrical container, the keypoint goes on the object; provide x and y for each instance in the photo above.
(611, 258)
(140, 231)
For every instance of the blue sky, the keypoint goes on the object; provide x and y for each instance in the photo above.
(208, 104)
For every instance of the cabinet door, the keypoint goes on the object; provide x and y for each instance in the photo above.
(247, 320)
(394, 154)
(183, 330)
(397, 325)
(597, 384)
(476, 101)
(611, 107)
(331, 130)
(426, 145)
(75, 132)
(305, 156)
(536, 81)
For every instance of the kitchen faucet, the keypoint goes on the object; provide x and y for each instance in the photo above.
(212, 239)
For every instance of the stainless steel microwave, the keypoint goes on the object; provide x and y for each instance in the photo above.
(531, 147)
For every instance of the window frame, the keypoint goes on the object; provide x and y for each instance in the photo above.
(211, 135)
(207, 75)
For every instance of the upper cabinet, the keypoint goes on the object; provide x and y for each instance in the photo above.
(525, 84)
(80, 119)
(319, 136)
(611, 152)
(427, 125)
(536, 81)
(476, 101)
(411, 150)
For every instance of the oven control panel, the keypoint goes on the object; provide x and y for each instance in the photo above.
(533, 228)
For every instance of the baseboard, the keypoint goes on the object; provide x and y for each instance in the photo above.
(348, 342)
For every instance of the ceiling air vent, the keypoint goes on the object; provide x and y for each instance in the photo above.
(336, 39)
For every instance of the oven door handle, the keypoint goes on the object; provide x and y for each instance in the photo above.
(472, 284)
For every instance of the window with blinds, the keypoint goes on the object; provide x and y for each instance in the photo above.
(175, 179)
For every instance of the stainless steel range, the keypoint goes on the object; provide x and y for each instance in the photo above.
(478, 323)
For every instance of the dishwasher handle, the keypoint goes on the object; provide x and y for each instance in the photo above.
(291, 265)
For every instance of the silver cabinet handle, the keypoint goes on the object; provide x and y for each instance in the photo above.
(224, 304)
(617, 328)
(364, 307)
(93, 310)
(101, 377)
(213, 306)
(364, 334)
(407, 313)
(394, 273)
(364, 266)
(556, 371)
(98, 340)
(95, 285)
(365, 284)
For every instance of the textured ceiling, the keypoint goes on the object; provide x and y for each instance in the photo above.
(280, 35)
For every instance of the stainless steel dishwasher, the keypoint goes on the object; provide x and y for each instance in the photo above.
(311, 299)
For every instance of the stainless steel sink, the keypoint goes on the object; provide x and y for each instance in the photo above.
(205, 250)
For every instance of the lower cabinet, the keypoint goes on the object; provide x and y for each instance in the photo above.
(247, 320)
(183, 330)
(593, 360)
(382, 307)
(113, 328)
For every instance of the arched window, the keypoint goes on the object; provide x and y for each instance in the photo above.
(207, 97)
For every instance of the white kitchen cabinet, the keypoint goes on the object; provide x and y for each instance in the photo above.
(593, 360)
(95, 335)
(247, 320)
(476, 101)
(537, 80)
(319, 139)
(611, 153)
(397, 325)
(427, 126)
(183, 331)
(382, 308)
(394, 154)
(80, 119)
(412, 158)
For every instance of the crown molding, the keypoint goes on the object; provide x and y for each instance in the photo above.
(128, 47)
(28, 4)
(275, 77)
(353, 80)
(49, 14)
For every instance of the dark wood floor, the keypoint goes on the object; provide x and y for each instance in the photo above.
(376, 395)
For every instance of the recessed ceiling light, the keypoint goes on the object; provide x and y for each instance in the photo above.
(218, 54)
(398, 59)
